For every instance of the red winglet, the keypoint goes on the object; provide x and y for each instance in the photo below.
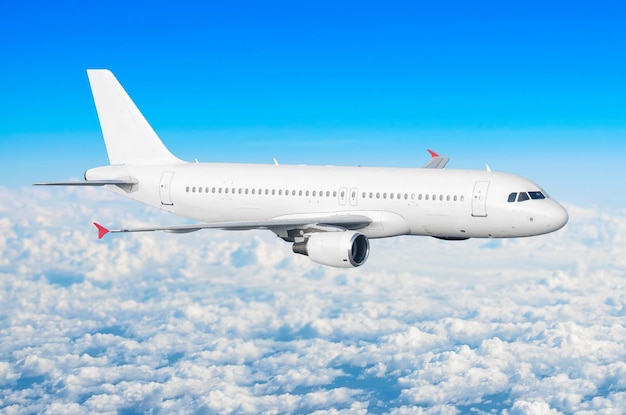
(101, 230)
(432, 153)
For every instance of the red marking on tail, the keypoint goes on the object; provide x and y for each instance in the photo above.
(101, 230)
(432, 153)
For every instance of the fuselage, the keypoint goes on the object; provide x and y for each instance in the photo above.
(448, 204)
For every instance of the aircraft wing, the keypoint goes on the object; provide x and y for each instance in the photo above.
(321, 223)
(437, 161)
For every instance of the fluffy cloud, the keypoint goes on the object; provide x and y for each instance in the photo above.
(233, 322)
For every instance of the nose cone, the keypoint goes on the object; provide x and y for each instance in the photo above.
(556, 216)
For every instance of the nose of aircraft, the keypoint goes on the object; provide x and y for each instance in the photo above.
(556, 216)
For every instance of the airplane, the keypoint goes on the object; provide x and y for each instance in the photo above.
(328, 213)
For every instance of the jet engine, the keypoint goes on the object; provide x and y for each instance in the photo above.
(346, 249)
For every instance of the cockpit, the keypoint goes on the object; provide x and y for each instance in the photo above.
(523, 196)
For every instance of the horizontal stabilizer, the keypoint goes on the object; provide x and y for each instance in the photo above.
(117, 182)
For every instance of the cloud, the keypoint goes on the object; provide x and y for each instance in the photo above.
(219, 321)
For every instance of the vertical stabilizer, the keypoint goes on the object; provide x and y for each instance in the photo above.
(128, 137)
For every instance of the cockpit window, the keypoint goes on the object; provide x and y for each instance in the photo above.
(536, 195)
(512, 197)
(522, 196)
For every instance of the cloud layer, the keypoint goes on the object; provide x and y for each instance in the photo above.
(233, 322)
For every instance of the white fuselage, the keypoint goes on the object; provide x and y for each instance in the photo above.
(449, 204)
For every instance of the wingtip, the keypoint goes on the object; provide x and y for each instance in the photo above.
(101, 230)
(433, 154)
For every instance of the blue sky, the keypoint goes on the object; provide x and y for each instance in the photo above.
(536, 89)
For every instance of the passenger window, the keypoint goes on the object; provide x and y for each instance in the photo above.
(371, 195)
(522, 197)
(377, 195)
(512, 197)
(426, 197)
(307, 193)
(536, 195)
(199, 190)
(363, 195)
(391, 196)
(328, 193)
(406, 196)
(187, 189)
(447, 198)
(441, 198)
(462, 198)
(455, 198)
(335, 193)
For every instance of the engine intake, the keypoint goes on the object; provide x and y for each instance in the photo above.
(347, 249)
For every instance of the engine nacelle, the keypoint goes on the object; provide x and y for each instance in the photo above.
(347, 249)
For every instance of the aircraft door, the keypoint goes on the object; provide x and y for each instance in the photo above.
(165, 188)
(354, 194)
(479, 199)
(342, 196)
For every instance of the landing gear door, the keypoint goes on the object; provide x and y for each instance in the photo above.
(479, 199)
(165, 188)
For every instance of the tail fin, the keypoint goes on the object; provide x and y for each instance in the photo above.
(128, 137)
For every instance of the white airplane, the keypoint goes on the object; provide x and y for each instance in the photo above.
(329, 213)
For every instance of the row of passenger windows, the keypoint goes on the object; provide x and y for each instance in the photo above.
(322, 193)
(522, 196)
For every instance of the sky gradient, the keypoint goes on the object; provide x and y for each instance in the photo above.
(535, 89)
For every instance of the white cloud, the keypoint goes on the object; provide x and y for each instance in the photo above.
(234, 322)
